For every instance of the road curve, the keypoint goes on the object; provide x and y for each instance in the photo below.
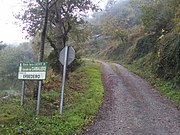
(132, 107)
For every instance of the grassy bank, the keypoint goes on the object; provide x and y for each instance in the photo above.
(164, 86)
(83, 96)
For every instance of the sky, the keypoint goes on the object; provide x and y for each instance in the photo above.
(11, 33)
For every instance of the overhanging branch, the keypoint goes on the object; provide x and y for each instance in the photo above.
(51, 42)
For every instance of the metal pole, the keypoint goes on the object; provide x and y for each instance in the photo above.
(39, 96)
(64, 78)
(22, 93)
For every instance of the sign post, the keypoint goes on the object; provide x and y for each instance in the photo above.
(64, 78)
(22, 93)
(66, 56)
(32, 71)
(39, 97)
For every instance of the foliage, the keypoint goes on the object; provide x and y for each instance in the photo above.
(2, 46)
(152, 46)
(126, 13)
(168, 67)
(54, 63)
(35, 44)
(157, 15)
(110, 26)
(177, 19)
(62, 16)
(143, 67)
(112, 29)
(83, 97)
(10, 59)
(144, 45)
(76, 63)
(80, 34)
(59, 17)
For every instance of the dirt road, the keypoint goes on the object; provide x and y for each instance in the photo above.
(132, 107)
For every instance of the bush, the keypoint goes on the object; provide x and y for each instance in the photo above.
(144, 45)
(53, 62)
(167, 63)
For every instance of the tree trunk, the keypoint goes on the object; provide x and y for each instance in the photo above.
(59, 30)
(59, 33)
(43, 34)
(42, 43)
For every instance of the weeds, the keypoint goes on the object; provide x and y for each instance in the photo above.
(83, 95)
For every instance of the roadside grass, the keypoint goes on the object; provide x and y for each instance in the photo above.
(165, 87)
(3, 94)
(83, 97)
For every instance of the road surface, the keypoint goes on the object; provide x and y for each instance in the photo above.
(132, 107)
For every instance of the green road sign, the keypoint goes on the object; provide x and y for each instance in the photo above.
(32, 70)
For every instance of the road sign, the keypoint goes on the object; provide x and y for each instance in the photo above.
(66, 56)
(32, 70)
(70, 55)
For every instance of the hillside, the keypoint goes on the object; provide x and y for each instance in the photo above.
(142, 35)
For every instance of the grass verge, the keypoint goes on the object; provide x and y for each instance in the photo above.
(164, 86)
(83, 96)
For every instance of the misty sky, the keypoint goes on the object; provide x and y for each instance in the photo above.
(9, 32)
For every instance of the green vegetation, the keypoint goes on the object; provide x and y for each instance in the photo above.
(83, 96)
(11, 56)
(143, 35)
(166, 87)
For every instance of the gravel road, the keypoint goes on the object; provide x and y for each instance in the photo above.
(132, 107)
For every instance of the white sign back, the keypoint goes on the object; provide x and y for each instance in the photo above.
(70, 57)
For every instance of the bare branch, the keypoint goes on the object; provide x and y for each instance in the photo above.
(51, 42)
(41, 4)
(51, 3)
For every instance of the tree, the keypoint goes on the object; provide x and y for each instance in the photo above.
(10, 59)
(2, 46)
(53, 19)
(35, 44)
(110, 26)
(157, 15)
(62, 15)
